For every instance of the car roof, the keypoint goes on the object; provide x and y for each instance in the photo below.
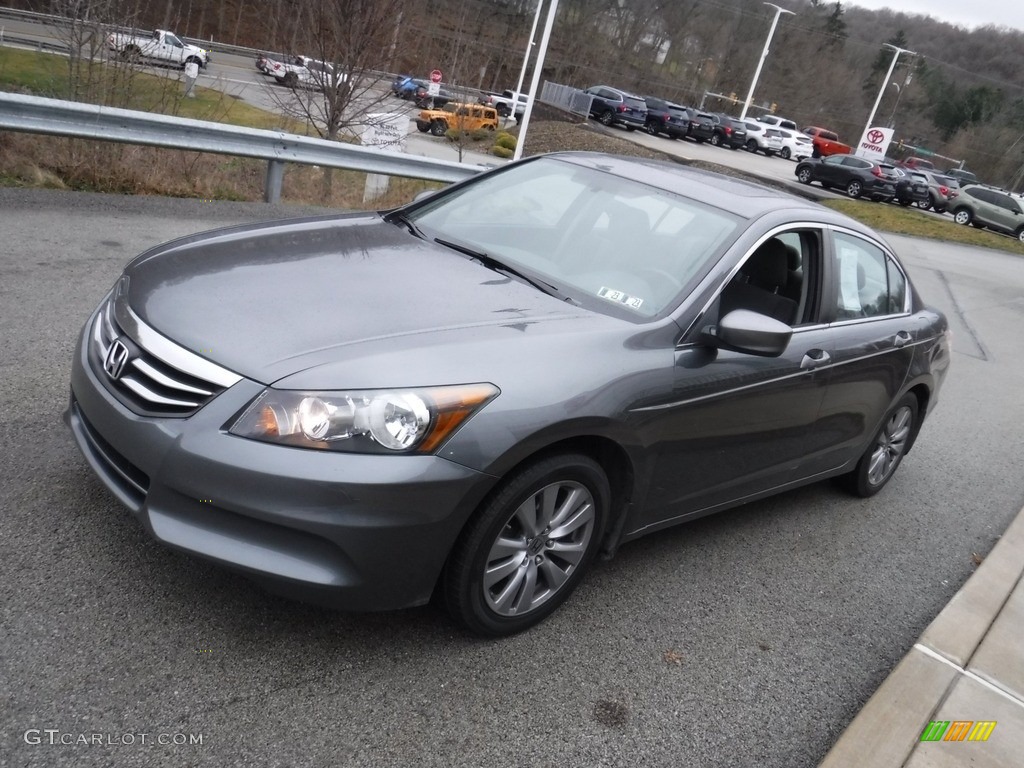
(744, 198)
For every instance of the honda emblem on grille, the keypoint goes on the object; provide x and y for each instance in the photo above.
(117, 358)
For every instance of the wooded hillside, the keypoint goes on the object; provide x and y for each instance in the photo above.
(961, 96)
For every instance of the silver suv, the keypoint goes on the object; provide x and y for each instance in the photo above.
(985, 207)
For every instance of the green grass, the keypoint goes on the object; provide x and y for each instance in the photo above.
(910, 221)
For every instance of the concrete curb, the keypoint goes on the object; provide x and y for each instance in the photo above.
(968, 663)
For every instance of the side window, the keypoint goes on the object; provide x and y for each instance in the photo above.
(869, 283)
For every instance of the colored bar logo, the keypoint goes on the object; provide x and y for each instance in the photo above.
(958, 730)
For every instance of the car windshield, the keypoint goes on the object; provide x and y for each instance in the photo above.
(612, 244)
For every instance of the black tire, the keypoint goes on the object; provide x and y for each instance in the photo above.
(438, 128)
(785, 154)
(854, 188)
(804, 175)
(650, 128)
(131, 53)
(290, 80)
(606, 118)
(1020, 234)
(502, 110)
(963, 216)
(888, 447)
(535, 556)
(905, 203)
(422, 127)
(192, 60)
(716, 140)
(751, 146)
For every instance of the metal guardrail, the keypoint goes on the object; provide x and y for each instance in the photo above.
(565, 96)
(54, 117)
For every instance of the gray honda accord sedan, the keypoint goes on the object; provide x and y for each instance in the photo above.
(473, 396)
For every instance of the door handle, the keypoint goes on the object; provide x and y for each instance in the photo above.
(901, 340)
(813, 358)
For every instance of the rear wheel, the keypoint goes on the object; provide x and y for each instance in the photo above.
(526, 549)
(784, 153)
(962, 216)
(649, 127)
(879, 462)
(716, 140)
(1020, 234)
(607, 117)
(751, 146)
(290, 79)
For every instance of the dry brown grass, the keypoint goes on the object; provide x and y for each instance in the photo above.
(29, 160)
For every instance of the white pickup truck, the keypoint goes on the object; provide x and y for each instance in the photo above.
(506, 103)
(160, 46)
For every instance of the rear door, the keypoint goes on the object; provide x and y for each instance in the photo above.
(867, 303)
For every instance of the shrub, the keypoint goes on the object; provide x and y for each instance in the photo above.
(505, 141)
(504, 152)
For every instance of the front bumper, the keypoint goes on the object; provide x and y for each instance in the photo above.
(356, 532)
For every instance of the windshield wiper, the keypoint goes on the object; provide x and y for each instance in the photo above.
(402, 218)
(499, 266)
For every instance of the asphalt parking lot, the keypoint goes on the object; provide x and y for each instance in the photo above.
(750, 638)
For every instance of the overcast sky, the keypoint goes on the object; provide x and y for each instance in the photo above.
(965, 13)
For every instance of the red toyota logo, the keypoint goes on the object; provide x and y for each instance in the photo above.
(875, 136)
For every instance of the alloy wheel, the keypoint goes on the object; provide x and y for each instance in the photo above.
(538, 548)
(890, 445)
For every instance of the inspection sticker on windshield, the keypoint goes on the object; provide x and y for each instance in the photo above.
(622, 298)
(619, 296)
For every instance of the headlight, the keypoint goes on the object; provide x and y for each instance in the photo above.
(368, 421)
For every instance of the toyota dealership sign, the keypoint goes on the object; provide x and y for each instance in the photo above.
(874, 143)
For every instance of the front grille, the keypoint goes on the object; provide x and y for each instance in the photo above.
(170, 381)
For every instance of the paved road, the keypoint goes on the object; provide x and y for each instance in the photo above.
(783, 616)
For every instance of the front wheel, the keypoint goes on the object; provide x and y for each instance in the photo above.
(962, 216)
(438, 128)
(1020, 234)
(528, 546)
(879, 462)
(804, 175)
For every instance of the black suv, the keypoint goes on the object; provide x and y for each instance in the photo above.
(665, 117)
(854, 175)
(611, 106)
(720, 130)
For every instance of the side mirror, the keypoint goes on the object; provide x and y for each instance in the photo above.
(752, 333)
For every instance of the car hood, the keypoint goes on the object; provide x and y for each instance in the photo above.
(278, 299)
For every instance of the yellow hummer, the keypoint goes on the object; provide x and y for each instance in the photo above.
(462, 117)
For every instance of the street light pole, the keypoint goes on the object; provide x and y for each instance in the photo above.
(526, 58)
(764, 55)
(888, 74)
(535, 80)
